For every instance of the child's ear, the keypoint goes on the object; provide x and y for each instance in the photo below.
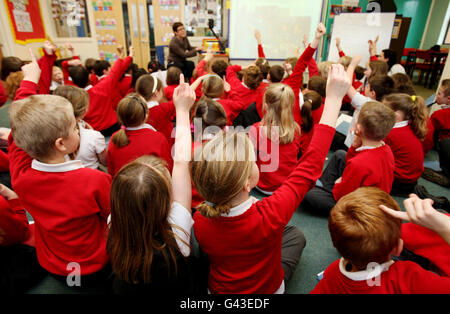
(59, 144)
(397, 250)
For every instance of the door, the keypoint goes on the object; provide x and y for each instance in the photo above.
(139, 31)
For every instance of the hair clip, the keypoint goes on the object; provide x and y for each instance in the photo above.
(123, 127)
(413, 98)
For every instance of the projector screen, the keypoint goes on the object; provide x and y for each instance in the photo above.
(355, 30)
(282, 25)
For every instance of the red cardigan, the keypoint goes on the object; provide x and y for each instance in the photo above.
(161, 118)
(403, 277)
(102, 100)
(245, 251)
(142, 142)
(441, 122)
(408, 154)
(282, 160)
(370, 167)
(168, 90)
(247, 95)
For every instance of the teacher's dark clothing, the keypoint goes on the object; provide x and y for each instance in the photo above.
(179, 50)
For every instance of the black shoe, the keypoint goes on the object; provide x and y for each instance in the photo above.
(440, 202)
(436, 177)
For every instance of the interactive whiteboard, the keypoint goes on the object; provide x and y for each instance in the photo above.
(282, 25)
(356, 29)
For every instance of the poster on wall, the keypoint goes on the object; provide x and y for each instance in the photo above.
(26, 21)
(200, 11)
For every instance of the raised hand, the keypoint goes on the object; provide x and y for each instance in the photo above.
(338, 82)
(258, 36)
(49, 48)
(131, 54)
(121, 51)
(305, 41)
(320, 31)
(183, 96)
(31, 71)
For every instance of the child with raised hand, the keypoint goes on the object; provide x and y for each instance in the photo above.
(161, 113)
(276, 139)
(366, 237)
(406, 139)
(172, 81)
(69, 226)
(250, 249)
(136, 138)
(92, 151)
(150, 229)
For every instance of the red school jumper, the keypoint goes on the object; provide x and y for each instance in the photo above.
(408, 153)
(70, 205)
(245, 251)
(102, 100)
(233, 105)
(441, 122)
(144, 141)
(247, 95)
(284, 159)
(161, 117)
(369, 167)
(13, 222)
(403, 277)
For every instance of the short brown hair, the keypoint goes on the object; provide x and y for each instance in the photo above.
(176, 25)
(38, 121)
(377, 120)
(173, 75)
(263, 65)
(378, 67)
(252, 77)
(361, 232)
(145, 84)
(78, 97)
(213, 87)
(276, 73)
(219, 67)
(318, 84)
(382, 85)
(10, 65)
(211, 113)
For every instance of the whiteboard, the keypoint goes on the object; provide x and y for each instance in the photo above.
(355, 30)
(282, 25)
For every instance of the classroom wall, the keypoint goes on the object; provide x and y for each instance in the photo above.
(437, 20)
(418, 10)
(85, 47)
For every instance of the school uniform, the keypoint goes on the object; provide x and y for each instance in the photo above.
(428, 142)
(65, 71)
(144, 140)
(274, 160)
(169, 90)
(408, 154)
(13, 222)
(428, 244)
(3, 97)
(70, 206)
(93, 79)
(125, 84)
(402, 277)
(305, 137)
(247, 95)
(102, 99)
(161, 116)
(245, 247)
(232, 104)
(46, 65)
(364, 166)
(441, 122)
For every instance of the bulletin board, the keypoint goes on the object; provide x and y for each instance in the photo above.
(166, 13)
(26, 21)
(109, 27)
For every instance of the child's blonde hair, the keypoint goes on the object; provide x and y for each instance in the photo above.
(211, 113)
(278, 105)
(414, 110)
(131, 112)
(361, 232)
(220, 171)
(145, 86)
(78, 97)
(38, 121)
(345, 61)
(213, 87)
(324, 68)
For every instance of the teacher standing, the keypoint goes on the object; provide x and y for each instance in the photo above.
(180, 49)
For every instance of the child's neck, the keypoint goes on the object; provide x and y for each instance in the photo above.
(370, 143)
(239, 199)
(57, 158)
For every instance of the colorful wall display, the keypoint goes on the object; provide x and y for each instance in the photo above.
(26, 21)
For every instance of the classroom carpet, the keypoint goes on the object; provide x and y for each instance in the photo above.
(319, 251)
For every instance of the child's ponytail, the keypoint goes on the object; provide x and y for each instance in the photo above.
(131, 111)
(419, 117)
(210, 210)
(313, 101)
(414, 109)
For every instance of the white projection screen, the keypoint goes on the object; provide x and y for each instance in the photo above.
(282, 25)
(355, 30)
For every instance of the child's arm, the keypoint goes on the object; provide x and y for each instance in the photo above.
(103, 157)
(260, 47)
(312, 65)
(351, 93)
(14, 222)
(231, 75)
(198, 81)
(295, 80)
(310, 167)
(373, 49)
(46, 66)
(422, 213)
(184, 98)
(31, 75)
(339, 47)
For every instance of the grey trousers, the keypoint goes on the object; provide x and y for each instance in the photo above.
(292, 246)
